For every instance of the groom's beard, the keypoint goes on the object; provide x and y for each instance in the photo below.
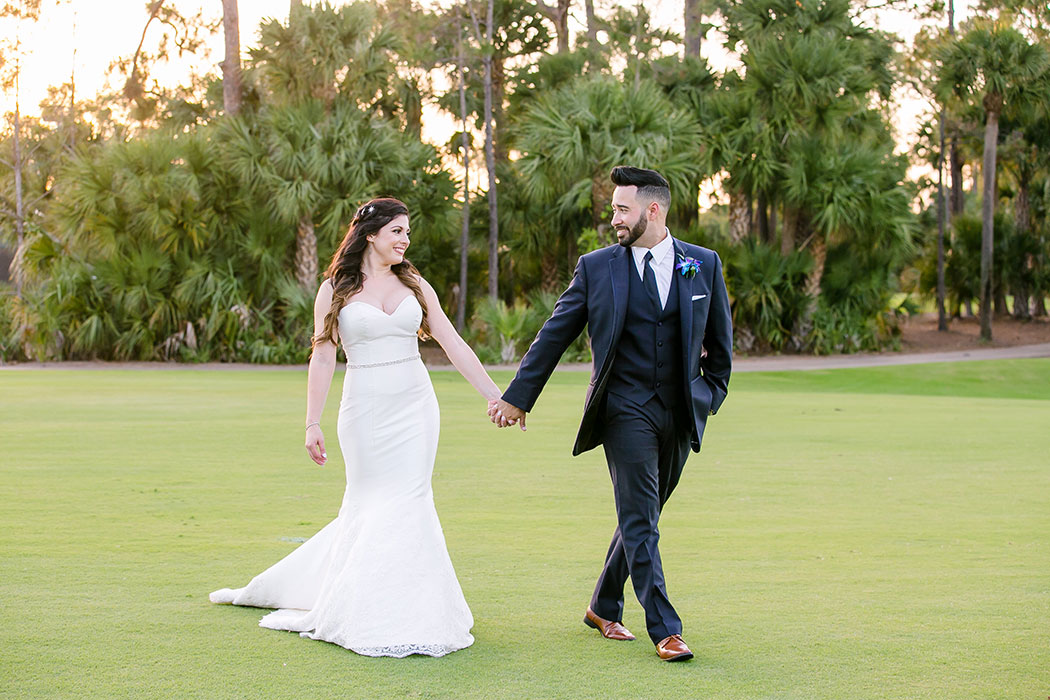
(633, 233)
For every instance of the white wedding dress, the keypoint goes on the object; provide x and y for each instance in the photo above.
(378, 579)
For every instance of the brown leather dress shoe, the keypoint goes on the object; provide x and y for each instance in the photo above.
(673, 649)
(609, 630)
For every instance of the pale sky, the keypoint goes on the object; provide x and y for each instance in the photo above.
(101, 30)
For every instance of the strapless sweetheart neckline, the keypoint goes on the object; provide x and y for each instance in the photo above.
(373, 306)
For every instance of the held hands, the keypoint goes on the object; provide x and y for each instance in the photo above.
(315, 444)
(503, 414)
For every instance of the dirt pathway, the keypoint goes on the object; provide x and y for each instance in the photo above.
(921, 342)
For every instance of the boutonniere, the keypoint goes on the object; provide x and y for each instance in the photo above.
(688, 266)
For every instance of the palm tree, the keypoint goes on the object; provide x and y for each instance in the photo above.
(992, 66)
(691, 86)
(325, 53)
(570, 139)
(1025, 157)
(324, 59)
(797, 129)
(312, 166)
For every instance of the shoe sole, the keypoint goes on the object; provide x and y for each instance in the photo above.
(681, 657)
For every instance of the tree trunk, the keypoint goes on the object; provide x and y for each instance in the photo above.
(739, 215)
(306, 254)
(640, 57)
(73, 90)
(818, 248)
(942, 209)
(761, 221)
(231, 64)
(771, 234)
(1001, 308)
(559, 15)
(601, 198)
(490, 163)
(790, 231)
(16, 262)
(411, 105)
(991, 135)
(1022, 220)
(549, 270)
(573, 251)
(692, 28)
(498, 93)
(592, 21)
(464, 236)
(958, 196)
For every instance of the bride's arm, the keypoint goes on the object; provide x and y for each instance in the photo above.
(319, 377)
(463, 358)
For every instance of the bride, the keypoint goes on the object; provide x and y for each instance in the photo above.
(378, 579)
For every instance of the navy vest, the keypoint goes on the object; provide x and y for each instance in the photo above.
(648, 358)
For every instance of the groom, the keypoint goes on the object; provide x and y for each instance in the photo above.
(657, 313)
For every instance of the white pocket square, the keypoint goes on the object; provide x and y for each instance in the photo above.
(699, 296)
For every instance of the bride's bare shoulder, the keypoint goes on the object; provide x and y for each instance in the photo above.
(324, 294)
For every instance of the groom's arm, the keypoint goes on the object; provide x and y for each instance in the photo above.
(717, 364)
(563, 327)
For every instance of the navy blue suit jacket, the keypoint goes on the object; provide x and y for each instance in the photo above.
(597, 299)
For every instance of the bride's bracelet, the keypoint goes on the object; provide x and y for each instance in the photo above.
(310, 425)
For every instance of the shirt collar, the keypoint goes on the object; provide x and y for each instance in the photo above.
(660, 251)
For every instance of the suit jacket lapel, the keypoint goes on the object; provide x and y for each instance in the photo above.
(685, 310)
(619, 268)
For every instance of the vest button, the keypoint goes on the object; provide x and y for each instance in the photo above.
(659, 323)
(659, 364)
(659, 343)
(658, 384)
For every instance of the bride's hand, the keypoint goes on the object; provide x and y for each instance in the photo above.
(315, 444)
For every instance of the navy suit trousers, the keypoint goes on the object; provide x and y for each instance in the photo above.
(646, 447)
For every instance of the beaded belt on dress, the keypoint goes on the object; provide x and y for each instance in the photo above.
(383, 364)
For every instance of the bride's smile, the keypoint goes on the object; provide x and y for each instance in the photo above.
(387, 247)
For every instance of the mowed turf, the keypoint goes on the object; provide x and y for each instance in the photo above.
(876, 533)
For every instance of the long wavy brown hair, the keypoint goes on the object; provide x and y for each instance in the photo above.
(345, 269)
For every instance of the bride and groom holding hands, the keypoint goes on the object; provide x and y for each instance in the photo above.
(378, 579)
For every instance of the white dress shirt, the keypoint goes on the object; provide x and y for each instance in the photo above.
(662, 264)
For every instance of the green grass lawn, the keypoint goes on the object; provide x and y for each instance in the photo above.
(874, 533)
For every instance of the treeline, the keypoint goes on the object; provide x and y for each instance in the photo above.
(191, 222)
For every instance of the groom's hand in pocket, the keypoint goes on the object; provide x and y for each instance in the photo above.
(503, 414)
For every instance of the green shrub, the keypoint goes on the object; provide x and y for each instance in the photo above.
(766, 291)
(505, 329)
(10, 344)
(847, 329)
(542, 304)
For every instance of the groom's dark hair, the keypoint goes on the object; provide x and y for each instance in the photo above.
(652, 186)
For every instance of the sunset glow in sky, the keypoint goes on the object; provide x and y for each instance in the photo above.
(88, 35)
